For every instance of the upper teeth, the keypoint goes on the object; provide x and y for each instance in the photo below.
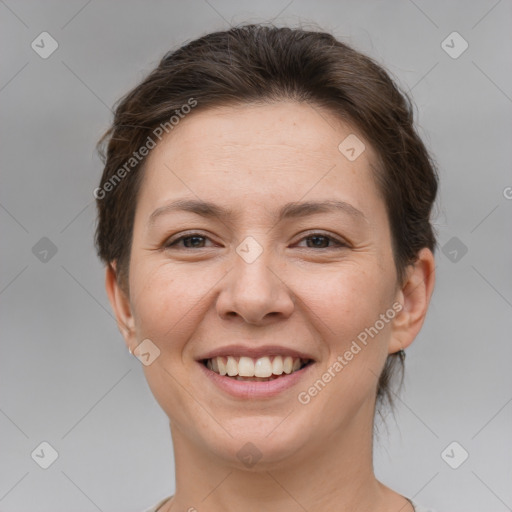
(249, 367)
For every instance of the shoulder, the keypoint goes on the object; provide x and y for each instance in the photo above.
(420, 508)
(155, 508)
(158, 505)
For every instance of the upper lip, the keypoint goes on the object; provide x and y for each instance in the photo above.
(254, 352)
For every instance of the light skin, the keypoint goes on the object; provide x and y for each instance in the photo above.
(302, 292)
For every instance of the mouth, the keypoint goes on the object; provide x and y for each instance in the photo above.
(261, 369)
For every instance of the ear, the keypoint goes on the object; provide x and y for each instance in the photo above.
(120, 304)
(414, 296)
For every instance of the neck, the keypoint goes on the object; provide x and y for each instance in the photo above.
(331, 474)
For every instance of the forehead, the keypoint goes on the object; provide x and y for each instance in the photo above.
(300, 128)
(288, 148)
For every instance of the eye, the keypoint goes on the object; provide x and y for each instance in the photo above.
(321, 241)
(197, 241)
(190, 241)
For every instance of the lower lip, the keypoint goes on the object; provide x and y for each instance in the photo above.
(255, 389)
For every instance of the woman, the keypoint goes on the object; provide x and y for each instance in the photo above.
(264, 218)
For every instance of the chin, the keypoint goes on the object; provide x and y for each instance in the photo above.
(258, 443)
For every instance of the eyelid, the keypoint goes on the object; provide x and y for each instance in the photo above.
(168, 242)
(340, 242)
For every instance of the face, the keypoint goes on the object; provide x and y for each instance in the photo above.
(257, 274)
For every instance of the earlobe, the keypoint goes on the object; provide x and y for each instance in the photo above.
(415, 297)
(120, 305)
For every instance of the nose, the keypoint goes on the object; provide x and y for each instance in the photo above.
(255, 292)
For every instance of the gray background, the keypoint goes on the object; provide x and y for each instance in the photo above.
(65, 375)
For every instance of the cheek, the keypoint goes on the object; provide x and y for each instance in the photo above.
(346, 309)
(166, 301)
(350, 300)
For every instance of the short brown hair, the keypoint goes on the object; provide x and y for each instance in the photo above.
(260, 63)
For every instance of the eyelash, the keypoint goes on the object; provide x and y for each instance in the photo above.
(339, 243)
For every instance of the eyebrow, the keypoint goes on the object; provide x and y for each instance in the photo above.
(288, 211)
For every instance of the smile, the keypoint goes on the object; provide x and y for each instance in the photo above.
(261, 369)
(245, 384)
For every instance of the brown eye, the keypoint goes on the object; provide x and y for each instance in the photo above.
(322, 241)
(191, 241)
